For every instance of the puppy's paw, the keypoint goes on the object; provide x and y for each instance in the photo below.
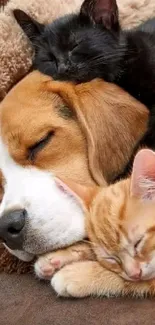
(71, 282)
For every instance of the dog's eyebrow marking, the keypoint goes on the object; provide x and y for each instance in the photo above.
(65, 112)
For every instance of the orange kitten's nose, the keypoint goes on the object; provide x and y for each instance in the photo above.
(136, 274)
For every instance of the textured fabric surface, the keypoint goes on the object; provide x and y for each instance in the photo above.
(3, 3)
(25, 301)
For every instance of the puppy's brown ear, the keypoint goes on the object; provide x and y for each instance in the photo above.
(112, 121)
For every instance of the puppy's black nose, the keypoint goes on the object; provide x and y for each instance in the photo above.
(12, 228)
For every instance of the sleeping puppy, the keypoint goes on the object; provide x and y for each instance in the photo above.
(57, 128)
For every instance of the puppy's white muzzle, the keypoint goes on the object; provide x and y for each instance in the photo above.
(54, 218)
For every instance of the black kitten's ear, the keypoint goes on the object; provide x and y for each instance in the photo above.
(103, 12)
(30, 26)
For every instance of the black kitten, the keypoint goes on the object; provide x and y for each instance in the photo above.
(91, 44)
(76, 47)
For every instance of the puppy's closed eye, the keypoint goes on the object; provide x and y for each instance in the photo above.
(39, 145)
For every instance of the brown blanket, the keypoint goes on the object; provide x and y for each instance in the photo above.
(25, 301)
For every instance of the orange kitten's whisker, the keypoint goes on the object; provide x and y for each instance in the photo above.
(86, 241)
(91, 243)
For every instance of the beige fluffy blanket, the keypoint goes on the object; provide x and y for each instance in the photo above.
(16, 53)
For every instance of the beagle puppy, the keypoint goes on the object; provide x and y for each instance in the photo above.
(87, 132)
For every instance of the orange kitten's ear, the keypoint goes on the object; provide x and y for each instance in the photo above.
(81, 192)
(143, 175)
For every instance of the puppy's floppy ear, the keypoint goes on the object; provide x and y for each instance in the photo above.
(111, 120)
(29, 25)
(103, 12)
(143, 175)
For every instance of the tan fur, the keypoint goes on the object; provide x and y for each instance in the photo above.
(38, 105)
(28, 112)
(112, 124)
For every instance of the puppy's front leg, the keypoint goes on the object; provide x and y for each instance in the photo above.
(47, 264)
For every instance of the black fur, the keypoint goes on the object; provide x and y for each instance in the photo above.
(91, 44)
(77, 48)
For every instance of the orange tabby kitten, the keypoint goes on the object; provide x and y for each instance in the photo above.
(120, 222)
